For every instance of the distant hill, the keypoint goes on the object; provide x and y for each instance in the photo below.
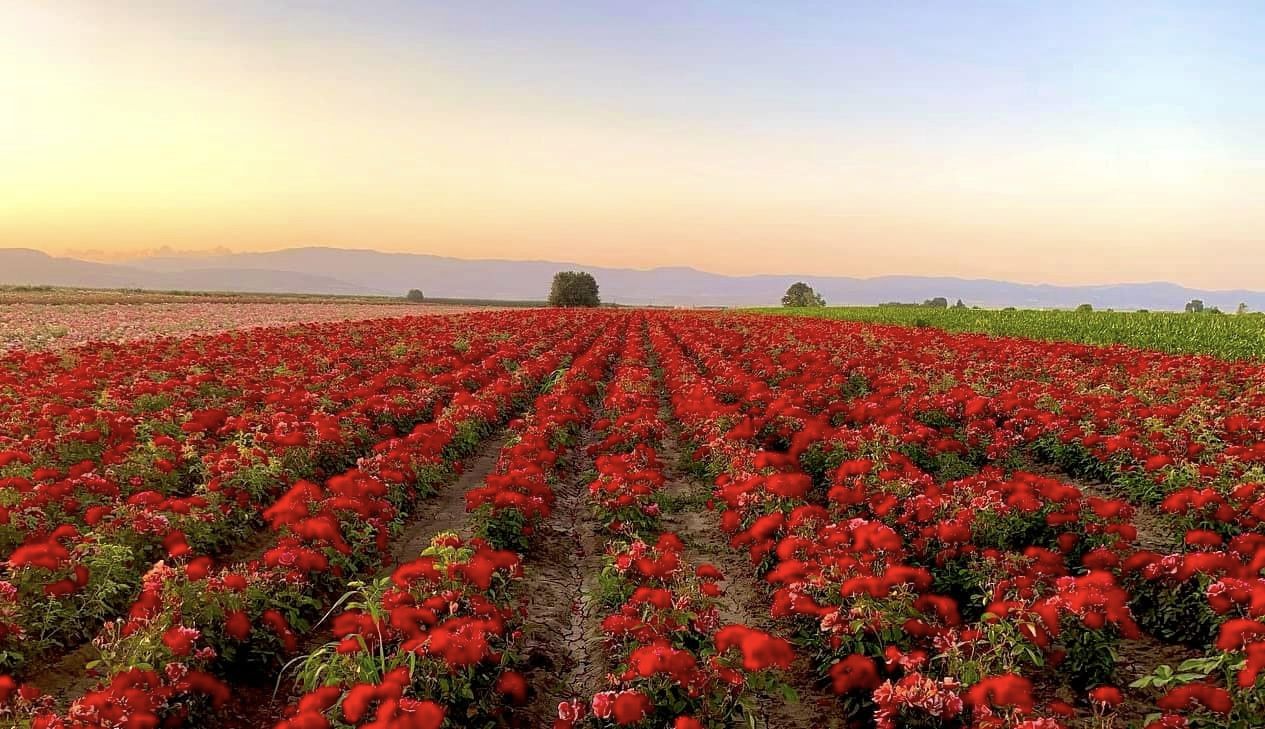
(25, 266)
(345, 271)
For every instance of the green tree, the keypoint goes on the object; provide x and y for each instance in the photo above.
(1242, 308)
(959, 305)
(1195, 306)
(801, 294)
(1084, 308)
(415, 295)
(938, 302)
(573, 288)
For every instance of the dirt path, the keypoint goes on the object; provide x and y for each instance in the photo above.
(67, 676)
(745, 598)
(446, 511)
(1138, 658)
(1154, 533)
(252, 549)
(563, 637)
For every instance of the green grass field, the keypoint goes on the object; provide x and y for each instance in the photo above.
(1231, 336)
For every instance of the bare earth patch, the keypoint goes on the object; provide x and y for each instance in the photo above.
(45, 326)
(563, 644)
(446, 511)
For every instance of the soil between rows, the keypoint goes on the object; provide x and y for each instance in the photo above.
(745, 599)
(251, 706)
(563, 636)
(446, 511)
(1137, 657)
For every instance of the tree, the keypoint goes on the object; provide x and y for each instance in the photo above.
(1084, 308)
(1195, 306)
(573, 288)
(959, 305)
(939, 302)
(801, 294)
(415, 295)
(1242, 308)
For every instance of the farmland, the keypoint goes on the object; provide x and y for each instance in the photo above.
(1229, 336)
(49, 318)
(601, 518)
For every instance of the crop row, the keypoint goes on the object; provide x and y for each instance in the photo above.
(671, 661)
(951, 530)
(910, 506)
(193, 620)
(434, 640)
(1232, 337)
(184, 478)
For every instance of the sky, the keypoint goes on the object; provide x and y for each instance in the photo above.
(1071, 142)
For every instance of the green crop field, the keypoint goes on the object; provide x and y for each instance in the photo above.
(1231, 336)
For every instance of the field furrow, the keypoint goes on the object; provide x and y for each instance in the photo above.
(120, 544)
(562, 639)
(647, 519)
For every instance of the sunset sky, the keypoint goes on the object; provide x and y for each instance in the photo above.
(1051, 142)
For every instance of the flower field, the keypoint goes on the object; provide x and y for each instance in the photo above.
(618, 518)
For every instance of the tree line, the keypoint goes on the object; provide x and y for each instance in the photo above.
(579, 289)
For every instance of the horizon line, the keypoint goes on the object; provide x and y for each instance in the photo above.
(76, 255)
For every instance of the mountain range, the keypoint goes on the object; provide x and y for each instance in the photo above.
(319, 270)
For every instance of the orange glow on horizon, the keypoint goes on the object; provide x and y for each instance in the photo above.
(128, 136)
